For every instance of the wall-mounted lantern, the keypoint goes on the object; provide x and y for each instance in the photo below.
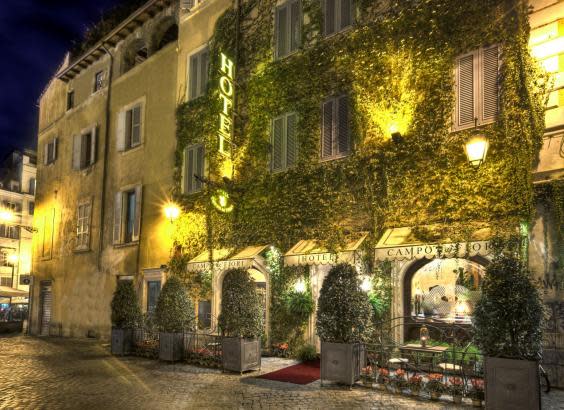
(476, 149)
(171, 211)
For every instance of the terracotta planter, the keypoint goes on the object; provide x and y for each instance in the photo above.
(512, 384)
(435, 395)
(457, 399)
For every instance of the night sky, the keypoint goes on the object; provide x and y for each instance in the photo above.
(34, 36)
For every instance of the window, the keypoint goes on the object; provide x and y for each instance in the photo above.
(50, 151)
(84, 149)
(335, 138)
(130, 127)
(194, 165)
(338, 15)
(31, 189)
(4, 254)
(83, 225)
(15, 207)
(198, 67)
(153, 292)
(476, 88)
(127, 215)
(31, 207)
(98, 81)
(70, 100)
(204, 314)
(9, 231)
(288, 28)
(5, 281)
(284, 142)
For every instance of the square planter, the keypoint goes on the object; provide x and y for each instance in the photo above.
(341, 362)
(512, 384)
(241, 354)
(122, 341)
(171, 346)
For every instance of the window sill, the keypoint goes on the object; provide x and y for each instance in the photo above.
(82, 250)
(335, 158)
(336, 33)
(132, 149)
(126, 245)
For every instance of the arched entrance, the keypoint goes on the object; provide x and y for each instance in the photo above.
(444, 291)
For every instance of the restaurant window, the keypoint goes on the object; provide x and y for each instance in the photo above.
(446, 290)
(153, 292)
(337, 15)
(335, 135)
(284, 142)
(287, 28)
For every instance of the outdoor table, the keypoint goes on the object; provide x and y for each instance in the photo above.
(416, 348)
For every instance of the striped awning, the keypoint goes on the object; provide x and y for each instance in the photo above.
(402, 244)
(310, 252)
(224, 259)
(8, 292)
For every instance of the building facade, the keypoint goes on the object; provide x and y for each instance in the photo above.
(17, 198)
(294, 135)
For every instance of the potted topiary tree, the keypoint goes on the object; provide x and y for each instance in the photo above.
(344, 321)
(126, 314)
(508, 321)
(240, 322)
(174, 315)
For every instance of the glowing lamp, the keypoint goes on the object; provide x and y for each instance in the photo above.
(13, 259)
(366, 284)
(300, 286)
(476, 150)
(172, 211)
(424, 335)
(6, 215)
(222, 202)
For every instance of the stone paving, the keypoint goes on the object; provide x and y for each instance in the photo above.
(80, 374)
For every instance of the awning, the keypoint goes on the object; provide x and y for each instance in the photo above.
(8, 292)
(224, 259)
(310, 252)
(402, 244)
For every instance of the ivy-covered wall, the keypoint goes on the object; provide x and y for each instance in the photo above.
(396, 64)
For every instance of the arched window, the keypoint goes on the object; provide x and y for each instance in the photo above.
(135, 54)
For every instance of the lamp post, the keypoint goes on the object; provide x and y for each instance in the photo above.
(171, 211)
(476, 149)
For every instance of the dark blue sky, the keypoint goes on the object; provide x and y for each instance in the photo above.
(34, 36)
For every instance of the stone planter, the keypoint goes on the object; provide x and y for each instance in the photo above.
(435, 395)
(122, 341)
(241, 354)
(171, 346)
(341, 362)
(512, 384)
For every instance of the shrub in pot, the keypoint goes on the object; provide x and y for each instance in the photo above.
(240, 322)
(414, 383)
(456, 388)
(508, 321)
(126, 315)
(344, 322)
(174, 315)
(435, 386)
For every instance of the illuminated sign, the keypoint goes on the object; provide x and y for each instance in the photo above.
(226, 94)
(222, 201)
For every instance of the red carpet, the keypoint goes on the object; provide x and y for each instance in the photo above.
(303, 373)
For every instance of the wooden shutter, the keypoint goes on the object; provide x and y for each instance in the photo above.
(343, 140)
(120, 131)
(465, 108)
(200, 164)
(329, 16)
(345, 14)
(46, 154)
(327, 129)
(277, 143)
(118, 214)
(489, 84)
(282, 31)
(93, 146)
(76, 152)
(193, 77)
(55, 144)
(138, 210)
(291, 140)
(204, 68)
(135, 125)
(295, 26)
(189, 170)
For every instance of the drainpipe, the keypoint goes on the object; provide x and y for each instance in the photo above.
(106, 157)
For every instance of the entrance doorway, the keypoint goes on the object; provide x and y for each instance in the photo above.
(45, 301)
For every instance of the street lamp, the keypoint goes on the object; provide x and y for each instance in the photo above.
(6, 215)
(171, 211)
(476, 149)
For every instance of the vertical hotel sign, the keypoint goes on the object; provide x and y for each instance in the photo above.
(226, 94)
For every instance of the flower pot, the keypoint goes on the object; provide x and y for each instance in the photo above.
(476, 403)
(512, 384)
(171, 346)
(415, 392)
(435, 395)
(341, 362)
(367, 381)
(241, 354)
(397, 390)
(457, 398)
(122, 341)
(381, 386)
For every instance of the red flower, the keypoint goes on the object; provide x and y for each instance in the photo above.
(435, 376)
(384, 372)
(477, 384)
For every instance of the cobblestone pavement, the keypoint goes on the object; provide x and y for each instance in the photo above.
(81, 374)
